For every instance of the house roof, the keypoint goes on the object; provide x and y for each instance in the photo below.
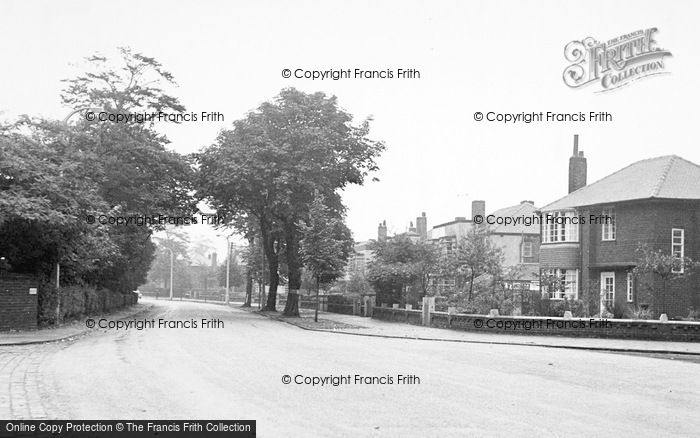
(525, 209)
(667, 177)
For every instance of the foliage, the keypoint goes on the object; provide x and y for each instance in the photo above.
(357, 284)
(236, 272)
(53, 175)
(399, 264)
(639, 312)
(657, 271)
(266, 170)
(326, 243)
(475, 255)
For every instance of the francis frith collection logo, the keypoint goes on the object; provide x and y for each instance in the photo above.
(614, 63)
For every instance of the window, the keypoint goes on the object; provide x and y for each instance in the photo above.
(677, 248)
(560, 226)
(527, 249)
(630, 287)
(568, 286)
(609, 227)
(448, 246)
(607, 284)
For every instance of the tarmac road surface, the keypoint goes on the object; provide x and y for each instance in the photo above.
(448, 389)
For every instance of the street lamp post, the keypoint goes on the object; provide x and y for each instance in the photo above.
(228, 267)
(171, 272)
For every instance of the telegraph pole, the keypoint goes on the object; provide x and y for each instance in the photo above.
(228, 267)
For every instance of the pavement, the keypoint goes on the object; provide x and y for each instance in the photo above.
(66, 331)
(247, 366)
(360, 326)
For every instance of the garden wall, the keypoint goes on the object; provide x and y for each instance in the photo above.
(551, 326)
(18, 301)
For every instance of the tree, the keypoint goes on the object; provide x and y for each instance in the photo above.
(357, 284)
(400, 264)
(476, 255)
(177, 241)
(135, 173)
(236, 271)
(658, 271)
(55, 176)
(47, 192)
(325, 245)
(268, 167)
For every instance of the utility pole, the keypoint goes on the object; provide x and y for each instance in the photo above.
(228, 267)
(171, 272)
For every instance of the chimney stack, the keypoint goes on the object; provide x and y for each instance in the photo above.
(577, 168)
(381, 232)
(422, 226)
(478, 208)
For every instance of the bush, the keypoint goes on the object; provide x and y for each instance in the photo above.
(77, 301)
(694, 315)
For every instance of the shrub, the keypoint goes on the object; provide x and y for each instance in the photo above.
(77, 301)
(694, 314)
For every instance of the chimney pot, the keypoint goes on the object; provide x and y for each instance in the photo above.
(478, 208)
(577, 168)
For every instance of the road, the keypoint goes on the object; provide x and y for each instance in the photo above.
(236, 372)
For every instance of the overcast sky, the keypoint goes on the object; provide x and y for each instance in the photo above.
(502, 56)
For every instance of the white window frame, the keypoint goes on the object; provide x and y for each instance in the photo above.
(608, 295)
(678, 247)
(570, 280)
(630, 287)
(527, 250)
(553, 232)
(608, 229)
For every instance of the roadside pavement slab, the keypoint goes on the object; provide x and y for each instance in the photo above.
(67, 330)
(362, 326)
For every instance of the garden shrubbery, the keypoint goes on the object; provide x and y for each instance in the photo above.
(79, 300)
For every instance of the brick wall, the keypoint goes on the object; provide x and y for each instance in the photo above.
(560, 255)
(18, 309)
(551, 326)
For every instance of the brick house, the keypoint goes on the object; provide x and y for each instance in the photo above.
(519, 242)
(653, 202)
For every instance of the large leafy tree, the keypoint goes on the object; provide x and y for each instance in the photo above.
(46, 191)
(53, 175)
(268, 167)
(138, 175)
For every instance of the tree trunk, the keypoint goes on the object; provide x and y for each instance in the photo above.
(471, 286)
(272, 257)
(248, 288)
(318, 286)
(273, 266)
(294, 266)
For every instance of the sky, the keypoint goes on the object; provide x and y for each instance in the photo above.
(496, 56)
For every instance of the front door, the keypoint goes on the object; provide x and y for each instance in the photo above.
(607, 291)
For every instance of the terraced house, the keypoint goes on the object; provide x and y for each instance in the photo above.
(654, 203)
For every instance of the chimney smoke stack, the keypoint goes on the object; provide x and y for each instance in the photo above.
(478, 208)
(577, 168)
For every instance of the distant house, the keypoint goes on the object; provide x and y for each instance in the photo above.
(519, 242)
(653, 202)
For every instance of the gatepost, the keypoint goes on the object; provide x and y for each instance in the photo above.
(428, 307)
(369, 304)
